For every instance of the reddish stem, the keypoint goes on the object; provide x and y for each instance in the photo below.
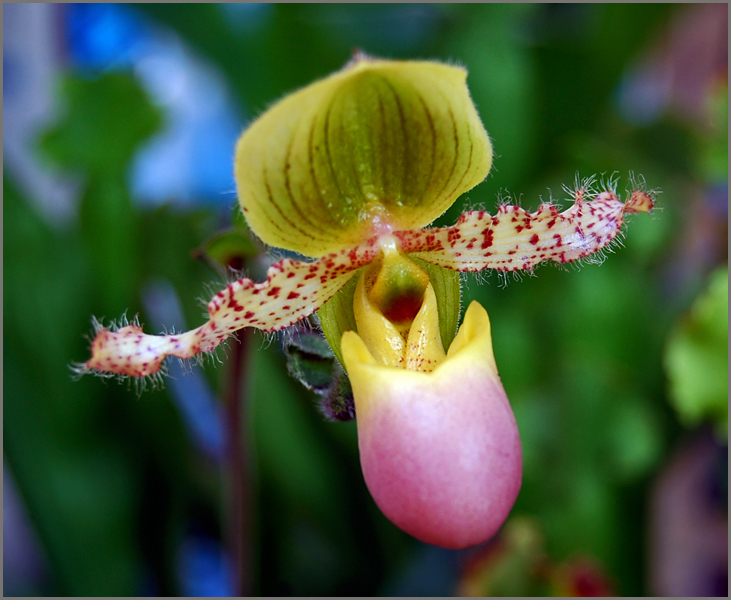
(240, 502)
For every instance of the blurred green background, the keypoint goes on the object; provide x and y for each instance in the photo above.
(617, 372)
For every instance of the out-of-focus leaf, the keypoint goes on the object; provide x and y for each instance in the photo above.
(513, 566)
(502, 82)
(106, 119)
(291, 453)
(230, 248)
(285, 441)
(696, 358)
(635, 442)
(76, 481)
(581, 577)
(578, 68)
(79, 451)
(516, 564)
(110, 229)
(169, 237)
(281, 47)
(713, 149)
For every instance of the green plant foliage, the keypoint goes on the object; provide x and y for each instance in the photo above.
(82, 452)
(696, 358)
(104, 123)
(229, 248)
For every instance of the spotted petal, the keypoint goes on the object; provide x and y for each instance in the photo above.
(292, 291)
(515, 239)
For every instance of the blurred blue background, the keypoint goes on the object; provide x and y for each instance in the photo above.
(119, 123)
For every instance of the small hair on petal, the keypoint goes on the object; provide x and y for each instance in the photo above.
(292, 291)
(516, 240)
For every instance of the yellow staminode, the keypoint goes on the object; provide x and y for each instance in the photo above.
(379, 146)
(371, 377)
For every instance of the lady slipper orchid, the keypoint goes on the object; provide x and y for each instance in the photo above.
(349, 171)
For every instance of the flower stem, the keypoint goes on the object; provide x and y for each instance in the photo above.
(239, 531)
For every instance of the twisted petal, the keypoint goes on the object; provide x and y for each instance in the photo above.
(376, 147)
(292, 291)
(516, 240)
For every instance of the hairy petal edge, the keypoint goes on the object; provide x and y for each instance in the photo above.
(515, 239)
(292, 291)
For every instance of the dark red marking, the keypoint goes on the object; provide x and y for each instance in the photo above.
(534, 239)
(403, 308)
(292, 295)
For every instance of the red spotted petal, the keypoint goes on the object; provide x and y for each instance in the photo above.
(515, 239)
(292, 291)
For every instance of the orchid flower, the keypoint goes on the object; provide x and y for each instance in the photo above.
(350, 171)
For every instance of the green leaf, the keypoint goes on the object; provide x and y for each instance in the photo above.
(309, 359)
(105, 121)
(696, 358)
(230, 248)
(62, 443)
